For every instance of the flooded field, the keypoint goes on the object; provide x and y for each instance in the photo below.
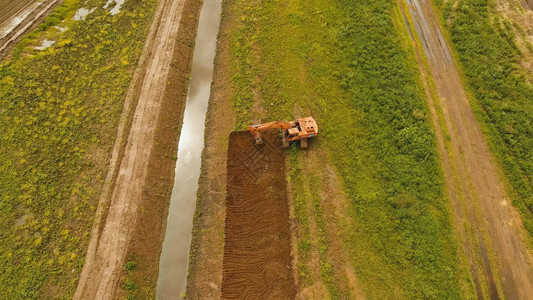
(19, 17)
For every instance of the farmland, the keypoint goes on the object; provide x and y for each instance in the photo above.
(425, 118)
(59, 112)
(360, 82)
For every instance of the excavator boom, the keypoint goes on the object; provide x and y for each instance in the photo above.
(256, 129)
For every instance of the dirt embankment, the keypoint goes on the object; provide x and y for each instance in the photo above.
(257, 261)
(207, 248)
(127, 179)
(205, 268)
(490, 227)
(146, 240)
(13, 9)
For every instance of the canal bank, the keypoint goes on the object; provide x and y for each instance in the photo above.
(176, 246)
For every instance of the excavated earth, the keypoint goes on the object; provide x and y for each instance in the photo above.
(257, 260)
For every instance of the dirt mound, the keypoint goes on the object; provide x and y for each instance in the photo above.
(257, 260)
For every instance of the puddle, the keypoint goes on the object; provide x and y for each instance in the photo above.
(174, 259)
(45, 44)
(61, 29)
(407, 24)
(114, 6)
(428, 32)
(82, 13)
(20, 220)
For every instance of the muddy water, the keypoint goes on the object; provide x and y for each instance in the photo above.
(45, 44)
(174, 259)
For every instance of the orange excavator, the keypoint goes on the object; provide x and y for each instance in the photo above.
(297, 130)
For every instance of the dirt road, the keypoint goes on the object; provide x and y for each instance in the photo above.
(257, 261)
(490, 227)
(527, 4)
(127, 175)
(20, 17)
(10, 9)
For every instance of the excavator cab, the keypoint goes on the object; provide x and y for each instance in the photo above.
(292, 133)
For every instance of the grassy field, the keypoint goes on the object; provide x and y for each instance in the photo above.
(500, 93)
(350, 64)
(59, 110)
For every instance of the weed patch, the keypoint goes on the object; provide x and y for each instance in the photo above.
(59, 110)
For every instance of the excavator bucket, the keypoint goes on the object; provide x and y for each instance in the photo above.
(285, 141)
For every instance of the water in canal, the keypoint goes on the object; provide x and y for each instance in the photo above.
(174, 259)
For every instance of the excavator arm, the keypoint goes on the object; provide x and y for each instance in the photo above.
(256, 129)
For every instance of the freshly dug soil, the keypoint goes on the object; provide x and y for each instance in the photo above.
(257, 259)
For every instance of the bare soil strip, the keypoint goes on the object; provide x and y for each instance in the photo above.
(119, 204)
(32, 20)
(527, 4)
(257, 261)
(491, 229)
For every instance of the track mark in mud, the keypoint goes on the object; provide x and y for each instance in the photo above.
(10, 9)
(491, 233)
(34, 15)
(257, 260)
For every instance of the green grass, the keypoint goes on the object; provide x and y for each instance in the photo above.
(300, 213)
(59, 110)
(500, 94)
(350, 64)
